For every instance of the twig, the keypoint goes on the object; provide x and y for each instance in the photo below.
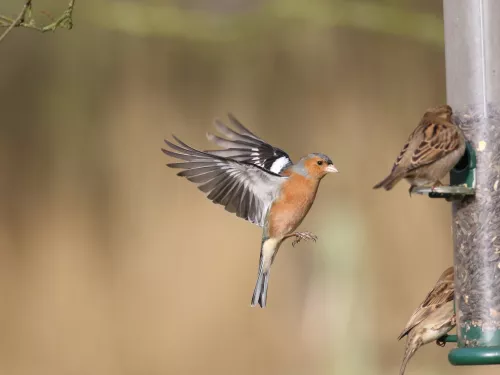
(65, 21)
(19, 20)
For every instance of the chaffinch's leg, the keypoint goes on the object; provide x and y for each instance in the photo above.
(301, 236)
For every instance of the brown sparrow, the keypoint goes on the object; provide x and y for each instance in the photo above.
(431, 151)
(433, 319)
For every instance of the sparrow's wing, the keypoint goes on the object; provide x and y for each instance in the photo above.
(401, 154)
(242, 188)
(439, 138)
(445, 317)
(442, 293)
(244, 146)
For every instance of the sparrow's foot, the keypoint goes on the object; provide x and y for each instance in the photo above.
(299, 236)
(441, 341)
(410, 190)
(437, 184)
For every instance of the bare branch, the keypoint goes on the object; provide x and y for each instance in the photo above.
(19, 20)
(26, 20)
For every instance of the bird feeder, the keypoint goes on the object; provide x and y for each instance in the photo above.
(472, 50)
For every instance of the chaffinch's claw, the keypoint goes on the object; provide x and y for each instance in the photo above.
(302, 236)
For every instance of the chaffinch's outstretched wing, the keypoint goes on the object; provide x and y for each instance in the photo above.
(244, 146)
(242, 188)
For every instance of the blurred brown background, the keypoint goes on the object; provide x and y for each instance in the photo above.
(110, 264)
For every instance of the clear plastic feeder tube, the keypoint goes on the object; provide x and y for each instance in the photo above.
(472, 48)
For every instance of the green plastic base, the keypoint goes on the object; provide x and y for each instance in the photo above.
(475, 356)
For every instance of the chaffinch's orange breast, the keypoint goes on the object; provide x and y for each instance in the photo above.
(293, 204)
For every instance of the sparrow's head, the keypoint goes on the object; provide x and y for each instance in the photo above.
(448, 275)
(444, 111)
(316, 165)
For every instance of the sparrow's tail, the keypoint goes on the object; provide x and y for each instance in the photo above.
(389, 182)
(267, 254)
(411, 348)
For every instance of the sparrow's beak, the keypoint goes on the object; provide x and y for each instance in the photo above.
(331, 169)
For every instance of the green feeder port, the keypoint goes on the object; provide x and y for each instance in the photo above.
(487, 353)
(477, 346)
(475, 356)
(462, 179)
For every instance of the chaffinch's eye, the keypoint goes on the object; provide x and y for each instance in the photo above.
(320, 162)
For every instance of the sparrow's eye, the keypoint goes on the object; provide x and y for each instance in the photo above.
(320, 162)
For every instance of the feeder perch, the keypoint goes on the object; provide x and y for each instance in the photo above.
(462, 179)
(451, 338)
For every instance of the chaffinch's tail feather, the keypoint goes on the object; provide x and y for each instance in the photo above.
(267, 253)
(263, 295)
(260, 292)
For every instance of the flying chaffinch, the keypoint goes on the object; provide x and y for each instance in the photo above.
(257, 182)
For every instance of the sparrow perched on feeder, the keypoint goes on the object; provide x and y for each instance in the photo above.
(431, 151)
(433, 319)
(257, 182)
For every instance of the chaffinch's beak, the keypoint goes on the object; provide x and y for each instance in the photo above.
(331, 169)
